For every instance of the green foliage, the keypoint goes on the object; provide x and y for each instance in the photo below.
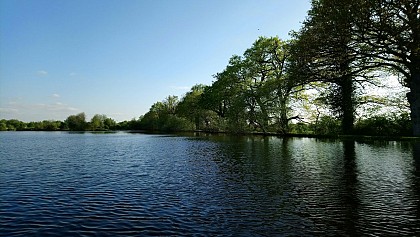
(327, 125)
(150, 121)
(324, 51)
(162, 116)
(16, 125)
(101, 123)
(3, 125)
(76, 122)
(12, 125)
(49, 125)
(385, 125)
(300, 128)
(190, 109)
(254, 90)
(133, 124)
(214, 123)
(343, 41)
(110, 124)
(174, 123)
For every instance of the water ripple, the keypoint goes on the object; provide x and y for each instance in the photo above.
(60, 184)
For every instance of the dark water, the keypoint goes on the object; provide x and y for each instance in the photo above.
(134, 184)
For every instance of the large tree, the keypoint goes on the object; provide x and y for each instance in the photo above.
(189, 106)
(221, 96)
(97, 122)
(233, 98)
(76, 122)
(324, 50)
(162, 117)
(269, 85)
(388, 33)
(254, 90)
(101, 122)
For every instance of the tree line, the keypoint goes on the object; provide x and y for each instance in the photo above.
(318, 82)
(72, 123)
(343, 48)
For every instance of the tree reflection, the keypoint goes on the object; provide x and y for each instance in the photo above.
(416, 174)
(350, 182)
(416, 157)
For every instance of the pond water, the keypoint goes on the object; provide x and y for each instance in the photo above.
(84, 184)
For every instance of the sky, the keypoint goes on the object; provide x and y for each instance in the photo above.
(113, 57)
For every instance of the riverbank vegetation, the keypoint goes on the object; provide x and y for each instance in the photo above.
(324, 81)
(379, 125)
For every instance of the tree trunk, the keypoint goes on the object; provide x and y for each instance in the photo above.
(414, 99)
(283, 121)
(264, 116)
(347, 105)
(197, 121)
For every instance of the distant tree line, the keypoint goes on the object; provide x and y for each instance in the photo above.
(72, 123)
(319, 82)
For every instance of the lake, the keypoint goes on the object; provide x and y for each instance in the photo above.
(84, 184)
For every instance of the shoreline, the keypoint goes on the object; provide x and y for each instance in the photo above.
(271, 134)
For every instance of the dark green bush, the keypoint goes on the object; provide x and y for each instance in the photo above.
(385, 125)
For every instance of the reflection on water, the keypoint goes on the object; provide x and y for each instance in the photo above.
(416, 156)
(135, 184)
(416, 176)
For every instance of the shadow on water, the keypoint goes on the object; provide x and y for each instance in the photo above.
(350, 184)
(304, 186)
(416, 157)
(416, 175)
(258, 185)
(307, 187)
(329, 177)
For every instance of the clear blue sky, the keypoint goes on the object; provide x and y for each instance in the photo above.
(117, 58)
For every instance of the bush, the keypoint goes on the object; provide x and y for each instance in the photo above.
(174, 123)
(385, 125)
(327, 125)
(300, 128)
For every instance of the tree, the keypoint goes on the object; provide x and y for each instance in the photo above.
(234, 101)
(151, 120)
(221, 95)
(14, 124)
(76, 122)
(254, 90)
(50, 125)
(225, 98)
(98, 122)
(162, 117)
(324, 50)
(170, 104)
(109, 124)
(189, 106)
(388, 31)
(3, 125)
(133, 124)
(268, 83)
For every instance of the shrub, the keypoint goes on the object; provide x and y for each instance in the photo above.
(385, 125)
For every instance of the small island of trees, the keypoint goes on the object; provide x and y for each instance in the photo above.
(321, 82)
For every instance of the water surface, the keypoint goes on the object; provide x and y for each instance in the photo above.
(83, 184)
